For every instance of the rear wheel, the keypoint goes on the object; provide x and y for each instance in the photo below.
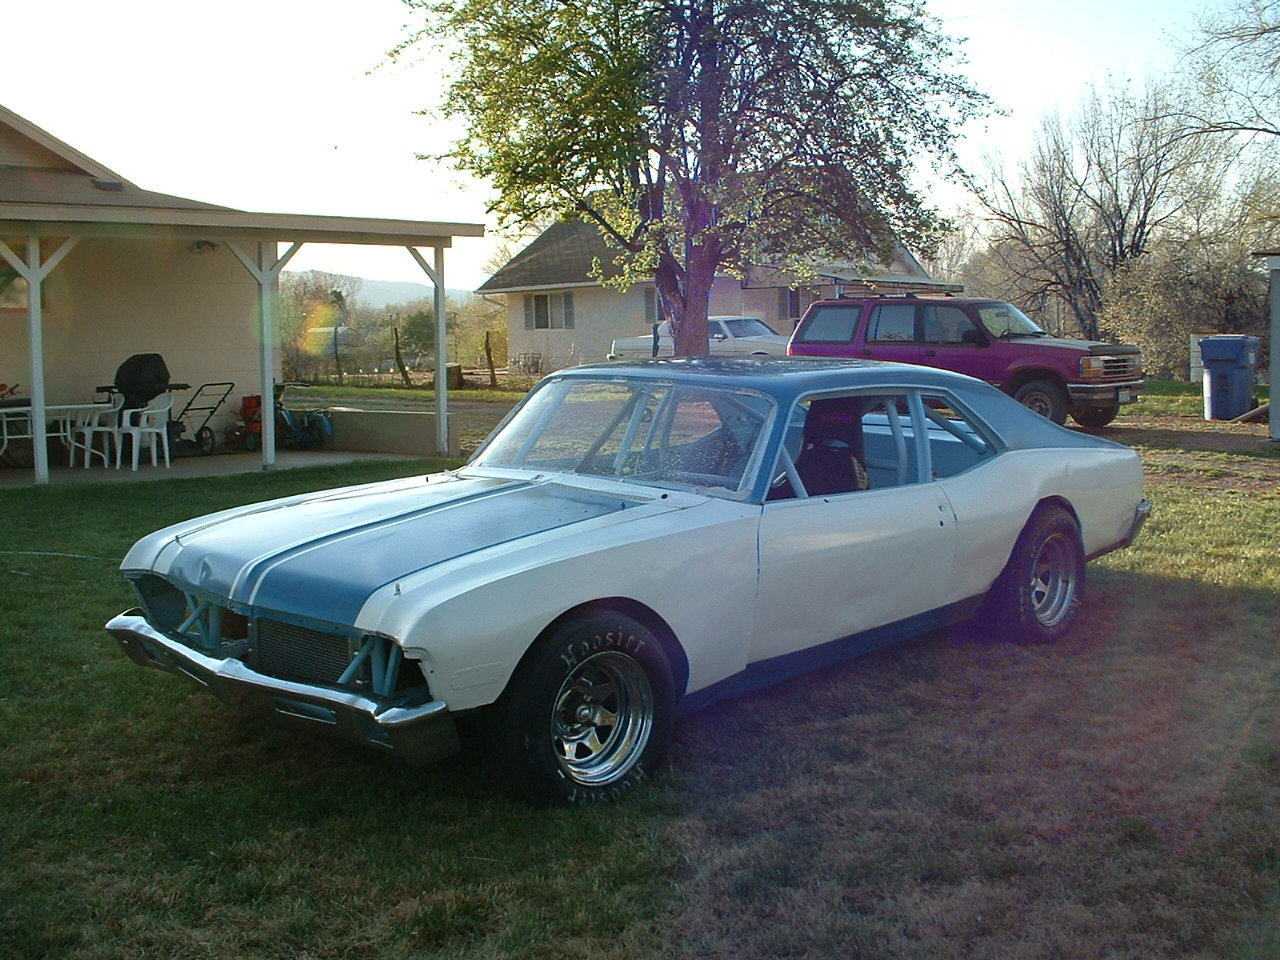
(205, 440)
(1094, 417)
(1045, 398)
(588, 714)
(1037, 597)
(252, 440)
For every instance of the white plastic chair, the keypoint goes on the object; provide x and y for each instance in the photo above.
(105, 421)
(151, 421)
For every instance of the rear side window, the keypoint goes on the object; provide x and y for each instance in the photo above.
(956, 444)
(892, 323)
(830, 325)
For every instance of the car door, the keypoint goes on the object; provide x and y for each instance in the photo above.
(891, 333)
(719, 339)
(986, 487)
(838, 565)
(951, 340)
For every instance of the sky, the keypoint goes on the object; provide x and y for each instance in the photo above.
(287, 105)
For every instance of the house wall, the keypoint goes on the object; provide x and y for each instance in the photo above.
(601, 315)
(112, 298)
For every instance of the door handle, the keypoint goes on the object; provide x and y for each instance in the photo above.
(931, 353)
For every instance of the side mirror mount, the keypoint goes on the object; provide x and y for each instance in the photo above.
(973, 338)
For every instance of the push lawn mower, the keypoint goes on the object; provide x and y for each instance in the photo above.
(145, 376)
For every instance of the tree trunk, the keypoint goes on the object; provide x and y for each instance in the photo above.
(685, 297)
(404, 374)
(488, 357)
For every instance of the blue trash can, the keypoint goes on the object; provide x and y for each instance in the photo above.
(1230, 360)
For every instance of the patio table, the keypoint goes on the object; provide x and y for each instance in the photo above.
(60, 422)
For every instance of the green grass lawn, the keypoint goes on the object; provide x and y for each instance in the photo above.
(955, 797)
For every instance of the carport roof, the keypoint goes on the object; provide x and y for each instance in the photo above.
(56, 190)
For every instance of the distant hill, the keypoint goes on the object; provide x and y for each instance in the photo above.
(379, 294)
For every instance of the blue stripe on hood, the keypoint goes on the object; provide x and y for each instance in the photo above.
(323, 559)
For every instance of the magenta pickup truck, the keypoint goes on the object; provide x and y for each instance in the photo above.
(987, 339)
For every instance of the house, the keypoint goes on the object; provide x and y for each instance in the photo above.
(94, 269)
(557, 315)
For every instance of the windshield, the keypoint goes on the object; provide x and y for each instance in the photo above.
(1006, 320)
(748, 327)
(643, 432)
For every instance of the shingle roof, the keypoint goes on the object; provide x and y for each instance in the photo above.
(560, 255)
(563, 254)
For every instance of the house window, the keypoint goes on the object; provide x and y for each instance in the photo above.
(651, 311)
(798, 301)
(548, 311)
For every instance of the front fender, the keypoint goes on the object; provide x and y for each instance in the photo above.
(470, 621)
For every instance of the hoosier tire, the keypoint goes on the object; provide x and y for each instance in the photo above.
(1037, 597)
(587, 715)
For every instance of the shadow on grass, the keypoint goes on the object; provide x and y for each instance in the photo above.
(1236, 444)
(958, 796)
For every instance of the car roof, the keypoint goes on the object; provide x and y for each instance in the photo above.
(906, 298)
(784, 378)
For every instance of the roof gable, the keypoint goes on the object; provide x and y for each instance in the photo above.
(562, 255)
(23, 144)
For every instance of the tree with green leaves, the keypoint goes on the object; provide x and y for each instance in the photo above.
(704, 136)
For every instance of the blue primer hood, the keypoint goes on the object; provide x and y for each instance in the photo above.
(320, 558)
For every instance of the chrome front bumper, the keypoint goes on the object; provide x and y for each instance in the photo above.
(1140, 516)
(417, 734)
(1106, 394)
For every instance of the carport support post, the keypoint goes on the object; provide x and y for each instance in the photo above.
(436, 275)
(1273, 272)
(266, 270)
(34, 273)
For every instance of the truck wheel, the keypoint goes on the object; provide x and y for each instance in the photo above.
(1036, 598)
(1045, 398)
(588, 714)
(1094, 417)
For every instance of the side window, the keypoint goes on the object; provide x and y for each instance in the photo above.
(650, 306)
(943, 324)
(548, 311)
(709, 436)
(845, 444)
(831, 325)
(892, 323)
(955, 443)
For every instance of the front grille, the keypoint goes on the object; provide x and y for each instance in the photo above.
(1119, 368)
(296, 653)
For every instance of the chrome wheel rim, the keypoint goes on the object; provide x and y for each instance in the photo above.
(1053, 580)
(1038, 403)
(602, 718)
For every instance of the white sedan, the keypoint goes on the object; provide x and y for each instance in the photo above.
(726, 337)
(635, 541)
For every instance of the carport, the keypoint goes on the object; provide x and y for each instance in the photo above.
(52, 197)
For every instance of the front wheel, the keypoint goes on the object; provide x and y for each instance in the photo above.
(1045, 398)
(1037, 597)
(1094, 417)
(588, 714)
